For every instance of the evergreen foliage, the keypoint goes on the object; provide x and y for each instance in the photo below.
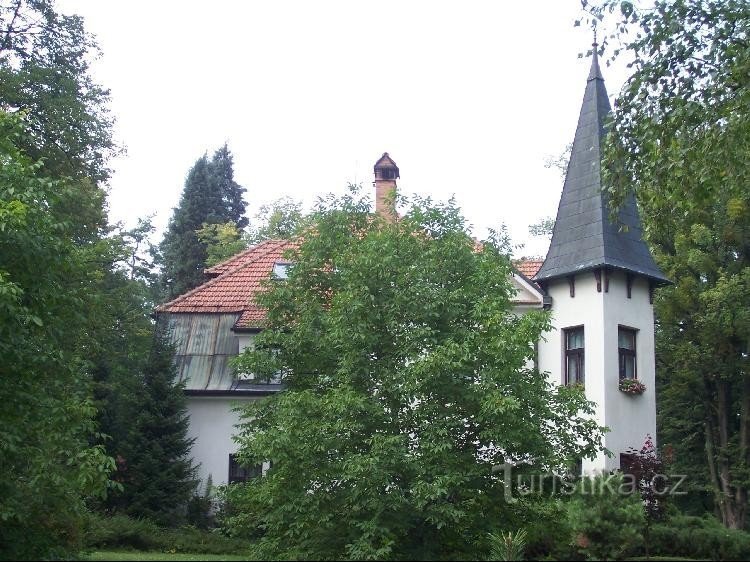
(407, 379)
(122, 335)
(606, 518)
(210, 196)
(157, 474)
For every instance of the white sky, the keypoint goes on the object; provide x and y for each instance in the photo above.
(469, 98)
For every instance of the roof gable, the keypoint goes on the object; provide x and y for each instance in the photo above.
(237, 282)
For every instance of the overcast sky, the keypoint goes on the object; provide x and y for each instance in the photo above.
(469, 98)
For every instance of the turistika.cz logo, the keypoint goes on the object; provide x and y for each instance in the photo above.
(606, 484)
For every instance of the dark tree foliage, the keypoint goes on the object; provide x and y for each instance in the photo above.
(122, 334)
(46, 421)
(232, 205)
(210, 196)
(44, 73)
(156, 470)
(681, 139)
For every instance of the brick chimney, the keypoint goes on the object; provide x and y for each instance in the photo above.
(386, 174)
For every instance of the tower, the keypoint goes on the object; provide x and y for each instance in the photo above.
(600, 276)
(386, 174)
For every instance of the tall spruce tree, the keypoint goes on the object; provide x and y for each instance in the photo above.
(211, 196)
(157, 472)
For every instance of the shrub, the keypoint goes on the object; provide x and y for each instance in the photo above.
(548, 533)
(700, 538)
(200, 508)
(120, 531)
(605, 520)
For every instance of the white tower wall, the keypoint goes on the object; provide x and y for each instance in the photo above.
(629, 418)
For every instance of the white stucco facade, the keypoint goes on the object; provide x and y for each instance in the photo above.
(629, 418)
(213, 418)
(212, 425)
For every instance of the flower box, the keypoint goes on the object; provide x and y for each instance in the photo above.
(632, 386)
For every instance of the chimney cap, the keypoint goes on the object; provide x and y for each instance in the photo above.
(386, 162)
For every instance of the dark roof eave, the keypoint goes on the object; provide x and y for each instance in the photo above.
(247, 329)
(231, 392)
(657, 278)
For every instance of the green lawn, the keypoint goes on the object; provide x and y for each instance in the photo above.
(660, 558)
(138, 555)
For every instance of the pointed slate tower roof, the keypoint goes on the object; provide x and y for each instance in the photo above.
(583, 237)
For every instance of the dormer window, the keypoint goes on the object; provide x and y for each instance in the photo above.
(281, 270)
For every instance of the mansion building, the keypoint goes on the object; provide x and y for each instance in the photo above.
(597, 280)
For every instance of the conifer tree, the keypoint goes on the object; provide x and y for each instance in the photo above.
(232, 206)
(158, 475)
(211, 196)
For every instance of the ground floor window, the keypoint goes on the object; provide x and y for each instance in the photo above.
(240, 473)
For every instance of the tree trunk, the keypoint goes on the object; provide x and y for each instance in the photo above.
(731, 499)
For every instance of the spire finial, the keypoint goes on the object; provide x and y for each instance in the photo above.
(595, 72)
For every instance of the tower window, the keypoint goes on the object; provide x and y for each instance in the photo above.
(626, 352)
(574, 355)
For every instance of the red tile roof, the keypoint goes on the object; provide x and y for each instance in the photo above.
(236, 283)
(528, 266)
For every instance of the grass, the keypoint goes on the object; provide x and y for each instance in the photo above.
(660, 558)
(142, 555)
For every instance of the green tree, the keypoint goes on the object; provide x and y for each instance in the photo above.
(407, 379)
(544, 226)
(47, 463)
(211, 196)
(681, 139)
(280, 219)
(157, 474)
(44, 72)
(121, 332)
(222, 241)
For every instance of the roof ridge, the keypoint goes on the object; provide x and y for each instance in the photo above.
(222, 276)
